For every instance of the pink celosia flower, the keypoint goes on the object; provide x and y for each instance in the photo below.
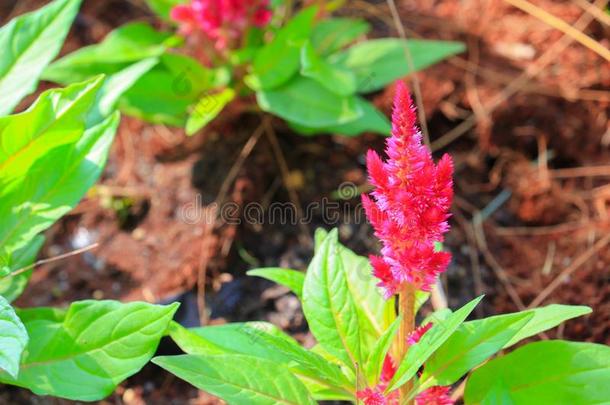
(417, 334)
(412, 197)
(221, 20)
(434, 396)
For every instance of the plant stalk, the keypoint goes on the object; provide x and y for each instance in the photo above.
(406, 307)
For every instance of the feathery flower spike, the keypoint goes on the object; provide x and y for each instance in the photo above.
(410, 204)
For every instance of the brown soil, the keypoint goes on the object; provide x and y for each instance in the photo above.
(512, 171)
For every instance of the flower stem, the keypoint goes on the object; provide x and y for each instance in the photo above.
(406, 307)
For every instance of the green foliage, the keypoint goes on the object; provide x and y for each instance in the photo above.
(303, 74)
(334, 78)
(333, 34)
(11, 286)
(546, 318)
(207, 108)
(429, 343)
(304, 101)
(329, 307)
(371, 120)
(292, 279)
(56, 158)
(13, 339)
(163, 7)
(127, 44)
(471, 344)
(381, 61)
(28, 44)
(548, 372)
(278, 61)
(352, 323)
(239, 379)
(89, 348)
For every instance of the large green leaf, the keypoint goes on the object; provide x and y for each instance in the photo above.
(546, 318)
(429, 343)
(278, 61)
(57, 118)
(126, 45)
(381, 61)
(28, 44)
(48, 176)
(306, 102)
(332, 34)
(548, 372)
(13, 339)
(471, 344)
(245, 338)
(11, 286)
(375, 314)
(292, 279)
(371, 120)
(84, 352)
(329, 306)
(334, 78)
(239, 379)
(258, 339)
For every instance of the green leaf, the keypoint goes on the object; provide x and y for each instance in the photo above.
(28, 44)
(471, 344)
(381, 61)
(308, 364)
(321, 392)
(245, 338)
(375, 314)
(163, 7)
(548, 372)
(292, 279)
(56, 118)
(124, 46)
(278, 61)
(306, 102)
(429, 343)
(374, 364)
(11, 287)
(546, 318)
(336, 79)
(371, 120)
(192, 343)
(116, 85)
(329, 306)
(166, 93)
(258, 339)
(330, 35)
(84, 352)
(48, 176)
(207, 108)
(238, 379)
(13, 339)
